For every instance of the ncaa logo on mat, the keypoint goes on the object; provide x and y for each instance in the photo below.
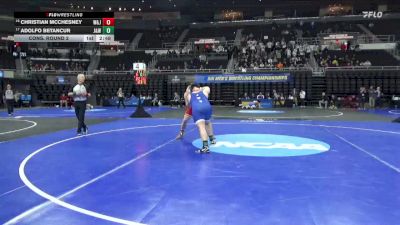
(265, 145)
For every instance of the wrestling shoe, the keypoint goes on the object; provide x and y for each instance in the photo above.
(213, 141)
(203, 150)
(180, 135)
(86, 131)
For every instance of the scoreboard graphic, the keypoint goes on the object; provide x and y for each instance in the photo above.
(140, 73)
(64, 27)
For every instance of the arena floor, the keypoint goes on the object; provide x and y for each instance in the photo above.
(278, 166)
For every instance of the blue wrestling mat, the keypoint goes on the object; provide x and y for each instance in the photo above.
(135, 172)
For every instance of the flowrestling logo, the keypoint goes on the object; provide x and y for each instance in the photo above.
(265, 145)
(372, 14)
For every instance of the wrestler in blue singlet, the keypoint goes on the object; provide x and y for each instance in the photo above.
(201, 107)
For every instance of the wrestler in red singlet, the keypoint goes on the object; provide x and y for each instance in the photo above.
(188, 111)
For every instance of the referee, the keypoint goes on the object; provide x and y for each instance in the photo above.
(80, 94)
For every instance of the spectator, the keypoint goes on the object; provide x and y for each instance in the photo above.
(276, 98)
(176, 100)
(279, 65)
(147, 100)
(255, 54)
(260, 96)
(295, 97)
(379, 96)
(290, 101)
(245, 96)
(64, 100)
(362, 98)
(332, 102)
(366, 63)
(302, 99)
(323, 101)
(154, 101)
(335, 62)
(9, 99)
(17, 98)
(281, 99)
(395, 101)
(372, 94)
(99, 98)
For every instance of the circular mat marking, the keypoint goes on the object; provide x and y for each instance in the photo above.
(32, 125)
(59, 201)
(261, 111)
